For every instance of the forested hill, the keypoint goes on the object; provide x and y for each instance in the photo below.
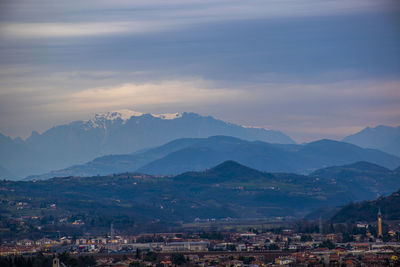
(368, 210)
(137, 201)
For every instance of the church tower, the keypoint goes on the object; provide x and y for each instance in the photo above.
(56, 262)
(379, 223)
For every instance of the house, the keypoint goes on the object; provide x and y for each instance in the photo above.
(186, 246)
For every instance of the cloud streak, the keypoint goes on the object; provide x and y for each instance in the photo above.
(311, 68)
(304, 110)
(76, 29)
(138, 17)
(173, 92)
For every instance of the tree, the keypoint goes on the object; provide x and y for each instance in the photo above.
(347, 238)
(150, 256)
(306, 238)
(231, 247)
(246, 260)
(327, 244)
(178, 259)
(137, 256)
(273, 246)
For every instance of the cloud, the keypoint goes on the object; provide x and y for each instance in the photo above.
(306, 111)
(46, 19)
(171, 92)
(55, 30)
(268, 63)
(326, 109)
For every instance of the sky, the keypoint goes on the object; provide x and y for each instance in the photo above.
(310, 68)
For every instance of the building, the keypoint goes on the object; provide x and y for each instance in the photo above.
(56, 262)
(380, 224)
(186, 246)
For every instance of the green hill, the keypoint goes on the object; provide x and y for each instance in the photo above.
(368, 210)
(229, 189)
(367, 180)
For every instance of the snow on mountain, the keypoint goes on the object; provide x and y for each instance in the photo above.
(168, 116)
(124, 115)
(254, 127)
(116, 132)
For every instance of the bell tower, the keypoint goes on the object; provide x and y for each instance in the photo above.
(56, 262)
(379, 223)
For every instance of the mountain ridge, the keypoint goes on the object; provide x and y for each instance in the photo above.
(385, 138)
(115, 133)
(363, 177)
(197, 154)
(229, 189)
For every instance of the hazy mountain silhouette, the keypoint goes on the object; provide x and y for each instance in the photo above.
(198, 154)
(117, 132)
(385, 138)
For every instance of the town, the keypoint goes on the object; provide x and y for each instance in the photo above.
(308, 244)
(204, 133)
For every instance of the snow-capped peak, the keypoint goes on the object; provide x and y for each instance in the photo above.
(125, 115)
(168, 116)
(254, 127)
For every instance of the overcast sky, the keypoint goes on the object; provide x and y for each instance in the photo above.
(310, 68)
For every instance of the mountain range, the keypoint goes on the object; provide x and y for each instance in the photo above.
(119, 141)
(197, 154)
(384, 138)
(227, 190)
(118, 132)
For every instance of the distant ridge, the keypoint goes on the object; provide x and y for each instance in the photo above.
(385, 138)
(363, 177)
(265, 157)
(362, 166)
(118, 132)
(368, 166)
(199, 154)
(5, 174)
(229, 171)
